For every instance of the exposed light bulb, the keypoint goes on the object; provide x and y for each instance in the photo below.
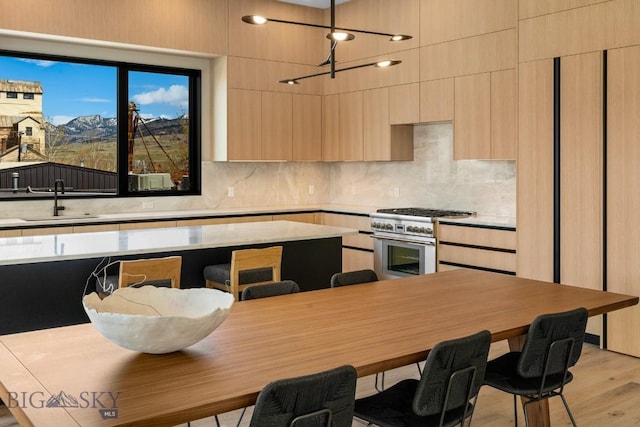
(255, 19)
(339, 36)
(399, 37)
(387, 63)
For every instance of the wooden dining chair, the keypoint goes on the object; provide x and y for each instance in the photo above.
(153, 271)
(247, 267)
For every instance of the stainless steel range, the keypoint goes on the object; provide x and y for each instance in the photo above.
(404, 240)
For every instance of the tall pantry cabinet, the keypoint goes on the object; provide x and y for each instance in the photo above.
(623, 195)
(579, 167)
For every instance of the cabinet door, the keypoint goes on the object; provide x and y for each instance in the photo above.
(244, 121)
(350, 126)
(307, 127)
(436, 100)
(404, 104)
(504, 114)
(376, 128)
(472, 117)
(581, 174)
(277, 126)
(623, 200)
(535, 170)
(330, 128)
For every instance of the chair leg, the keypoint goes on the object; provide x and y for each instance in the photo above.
(241, 415)
(419, 368)
(515, 410)
(566, 406)
(217, 420)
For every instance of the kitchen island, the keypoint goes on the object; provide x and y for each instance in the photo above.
(45, 277)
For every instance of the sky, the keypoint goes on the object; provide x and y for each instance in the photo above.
(73, 90)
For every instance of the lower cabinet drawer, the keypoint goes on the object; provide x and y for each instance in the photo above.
(475, 257)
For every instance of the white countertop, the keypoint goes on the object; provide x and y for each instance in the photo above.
(33, 249)
(489, 221)
(39, 221)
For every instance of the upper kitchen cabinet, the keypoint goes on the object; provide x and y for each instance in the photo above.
(190, 25)
(436, 100)
(342, 124)
(485, 116)
(382, 141)
(273, 126)
(357, 128)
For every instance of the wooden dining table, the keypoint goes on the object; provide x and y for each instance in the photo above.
(374, 327)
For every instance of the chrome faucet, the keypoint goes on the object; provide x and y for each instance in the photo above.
(56, 208)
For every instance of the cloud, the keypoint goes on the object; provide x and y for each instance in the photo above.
(38, 62)
(175, 95)
(98, 100)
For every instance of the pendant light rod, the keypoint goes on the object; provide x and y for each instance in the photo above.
(332, 53)
(381, 64)
(260, 20)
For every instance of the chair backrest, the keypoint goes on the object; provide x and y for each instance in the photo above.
(254, 259)
(150, 270)
(353, 278)
(543, 332)
(270, 290)
(282, 401)
(457, 366)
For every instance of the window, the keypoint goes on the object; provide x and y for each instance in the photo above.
(12, 95)
(109, 127)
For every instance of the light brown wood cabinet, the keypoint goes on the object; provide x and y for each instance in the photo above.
(264, 125)
(476, 247)
(357, 249)
(485, 116)
(623, 199)
(383, 141)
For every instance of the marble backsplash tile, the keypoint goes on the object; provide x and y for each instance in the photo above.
(433, 179)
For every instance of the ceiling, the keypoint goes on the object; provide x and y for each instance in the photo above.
(321, 4)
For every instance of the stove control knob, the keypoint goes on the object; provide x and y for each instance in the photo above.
(421, 230)
(411, 229)
(388, 226)
(375, 225)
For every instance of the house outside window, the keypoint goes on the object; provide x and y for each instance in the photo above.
(12, 95)
(139, 123)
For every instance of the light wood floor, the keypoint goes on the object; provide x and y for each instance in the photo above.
(605, 392)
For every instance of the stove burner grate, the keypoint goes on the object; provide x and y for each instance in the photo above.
(423, 212)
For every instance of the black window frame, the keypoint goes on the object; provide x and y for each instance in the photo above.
(28, 131)
(122, 97)
(12, 95)
(29, 95)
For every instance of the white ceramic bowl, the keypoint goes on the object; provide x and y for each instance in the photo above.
(158, 320)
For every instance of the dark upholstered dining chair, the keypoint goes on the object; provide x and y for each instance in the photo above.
(270, 290)
(324, 399)
(541, 370)
(445, 395)
(357, 277)
(353, 278)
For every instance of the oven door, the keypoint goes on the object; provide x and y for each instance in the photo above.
(395, 258)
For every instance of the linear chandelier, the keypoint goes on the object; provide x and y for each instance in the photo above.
(336, 35)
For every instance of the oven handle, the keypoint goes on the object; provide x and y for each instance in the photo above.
(427, 243)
